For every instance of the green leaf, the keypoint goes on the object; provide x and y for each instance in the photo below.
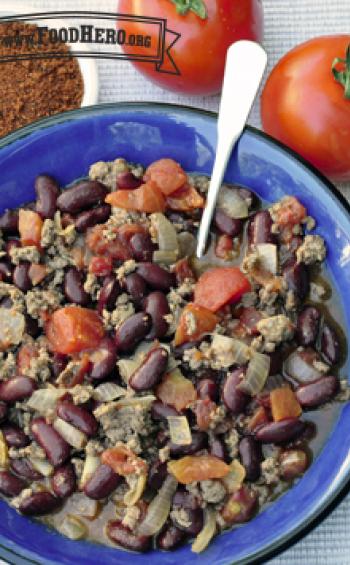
(343, 77)
(198, 7)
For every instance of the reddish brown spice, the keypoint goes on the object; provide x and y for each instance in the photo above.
(34, 88)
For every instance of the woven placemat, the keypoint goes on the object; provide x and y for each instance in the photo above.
(287, 22)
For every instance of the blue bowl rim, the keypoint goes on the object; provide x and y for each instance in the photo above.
(342, 487)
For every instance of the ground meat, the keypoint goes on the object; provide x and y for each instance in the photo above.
(123, 310)
(106, 171)
(92, 285)
(212, 491)
(232, 441)
(125, 424)
(126, 268)
(29, 253)
(270, 470)
(38, 301)
(276, 328)
(312, 250)
(7, 365)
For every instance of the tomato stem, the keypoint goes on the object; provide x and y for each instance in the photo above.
(343, 76)
(198, 7)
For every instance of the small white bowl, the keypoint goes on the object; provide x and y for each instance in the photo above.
(88, 66)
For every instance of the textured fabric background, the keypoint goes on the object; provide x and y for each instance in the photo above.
(287, 22)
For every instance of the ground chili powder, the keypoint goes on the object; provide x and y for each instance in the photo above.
(35, 88)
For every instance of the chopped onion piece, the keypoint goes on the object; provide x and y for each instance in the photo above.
(187, 243)
(84, 506)
(268, 258)
(234, 480)
(179, 429)
(166, 257)
(43, 466)
(207, 533)
(143, 401)
(166, 233)
(229, 350)
(44, 400)
(232, 203)
(298, 368)
(108, 391)
(256, 375)
(90, 465)
(72, 527)
(4, 455)
(72, 435)
(158, 509)
(12, 326)
(127, 367)
(136, 491)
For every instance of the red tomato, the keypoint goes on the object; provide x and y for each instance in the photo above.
(101, 266)
(217, 287)
(200, 52)
(29, 226)
(123, 461)
(305, 107)
(148, 198)
(115, 248)
(168, 175)
(203, 320)
(73, 329)
(224, 247)
(185, 199)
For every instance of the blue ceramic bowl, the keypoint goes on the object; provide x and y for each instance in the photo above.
(65, 146)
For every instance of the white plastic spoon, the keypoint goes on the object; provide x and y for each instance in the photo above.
(245, 65)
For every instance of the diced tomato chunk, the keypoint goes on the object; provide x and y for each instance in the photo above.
(175, 390)
(284, 404)
(183, 271)
(29, 226)
(259, 417)
(98, 244)
(123, 461)
(72, 329)
(101, 266)
(128, 230)
(37, 273)
(168, 175)
(148, 198)
(193, 468)
(25, 355)
(204, 410)
(221, 285)
(194, 322)
(224, 247)
(290, 212)
(185, 199)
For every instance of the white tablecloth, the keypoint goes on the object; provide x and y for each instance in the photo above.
(287, 22)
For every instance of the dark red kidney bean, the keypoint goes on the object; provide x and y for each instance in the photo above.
(287, 252)
(63, 481)
(297, 278)
(259, 228)
(184, 499)
(77, 416)
(162, 438)
(247, 500)
(149, 374)
(24, 469)
(251, 455)
(67, 220)
(109, 293)
(102, 483)
(196, 525)
(157, 474)
(330, 347)
(170, 538)
(276, 361)
(126, 538)
(156, 277)
(132, 331)
(234, 399)
(160, 411)
(142, 247)
(314, 394)
(39, 503)
(135, 286)
(186, 224)
(307, 326)
(9, 221)
(10, 485)
(16, 389)
(90, 218)
(12, 244)
(55, 447)
(104, 359)
(47, 191)
(5, 271)
(280, 432)
(127, 180)
(60, 362)
(207, 388)
(81, 196)
(74, 287)
(156, 305)
(229, 226)
(293, 463)
(21, 278)
(14, 436)
(32, 327)
(218, 449)
(3, 411)
(199, 441)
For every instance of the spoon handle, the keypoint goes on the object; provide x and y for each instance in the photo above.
(245, 66)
